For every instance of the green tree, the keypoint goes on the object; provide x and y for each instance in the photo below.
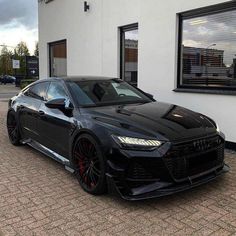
(6, 61)
(36, 51)
(20, 53)
(22, 49)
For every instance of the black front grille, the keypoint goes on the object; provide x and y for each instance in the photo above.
(136, 171)
(146, 169)
(192, 158)
(198, 145)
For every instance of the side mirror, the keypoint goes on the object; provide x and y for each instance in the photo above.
(58, 103)
(61, 104)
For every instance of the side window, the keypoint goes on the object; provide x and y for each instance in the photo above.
(56, 90)
(37, 91)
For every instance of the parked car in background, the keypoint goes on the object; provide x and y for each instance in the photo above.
(117, 137)
(6, 79)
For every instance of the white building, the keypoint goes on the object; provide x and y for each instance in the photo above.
(142, 42)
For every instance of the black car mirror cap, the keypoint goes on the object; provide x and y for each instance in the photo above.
(60, 103)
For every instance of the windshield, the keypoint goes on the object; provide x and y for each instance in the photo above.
(105, 92)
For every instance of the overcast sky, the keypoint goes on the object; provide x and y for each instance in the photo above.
(218, 29)
(19, 22)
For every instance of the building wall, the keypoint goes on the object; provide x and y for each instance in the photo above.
(93, 47)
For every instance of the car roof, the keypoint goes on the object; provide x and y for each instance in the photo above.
(71, 78)
(82, 78)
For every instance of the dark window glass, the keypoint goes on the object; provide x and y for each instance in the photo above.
(129, 54)
(105, 92)
(58, 59)
(37, 91)
(208, 50)
(56, 90)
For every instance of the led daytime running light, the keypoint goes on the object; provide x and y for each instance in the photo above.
(140, 142)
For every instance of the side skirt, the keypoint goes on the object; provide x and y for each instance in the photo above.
(48, 152)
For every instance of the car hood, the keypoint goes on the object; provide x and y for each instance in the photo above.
(169, 121)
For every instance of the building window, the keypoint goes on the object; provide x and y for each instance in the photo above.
(129, 54)
(58, 58)
(207, 48)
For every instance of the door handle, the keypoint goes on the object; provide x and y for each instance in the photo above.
(41, 113)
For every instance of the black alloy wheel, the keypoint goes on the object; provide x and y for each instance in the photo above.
(13, 128)
(89, 165)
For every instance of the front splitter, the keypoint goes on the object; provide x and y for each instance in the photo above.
(160, 192)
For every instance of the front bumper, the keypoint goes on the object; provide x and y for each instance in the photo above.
(171, 169)
(165, 188)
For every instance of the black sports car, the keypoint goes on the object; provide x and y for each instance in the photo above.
(116, 137)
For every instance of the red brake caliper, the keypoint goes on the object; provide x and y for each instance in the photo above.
(81, 164)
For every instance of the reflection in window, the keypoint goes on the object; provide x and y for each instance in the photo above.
(58, 59)
(37, 91)
(55, 91)
(208, 50)
(129, 51)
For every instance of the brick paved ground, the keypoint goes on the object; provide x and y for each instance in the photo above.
(39, 197)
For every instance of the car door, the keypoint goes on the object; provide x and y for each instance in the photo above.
(29, 109)
(55, 126)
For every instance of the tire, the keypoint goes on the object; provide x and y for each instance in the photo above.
(13, 128)
(89, 165)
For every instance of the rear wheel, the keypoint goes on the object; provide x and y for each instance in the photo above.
(13, 128)
(89, 165)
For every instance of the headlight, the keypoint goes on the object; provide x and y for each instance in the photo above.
(137, 143)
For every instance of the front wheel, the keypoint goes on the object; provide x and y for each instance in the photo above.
(13, 128)
(89, 165)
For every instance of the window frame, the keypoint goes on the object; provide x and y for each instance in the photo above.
(50, 53)
(204, 11)
(122, 30)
